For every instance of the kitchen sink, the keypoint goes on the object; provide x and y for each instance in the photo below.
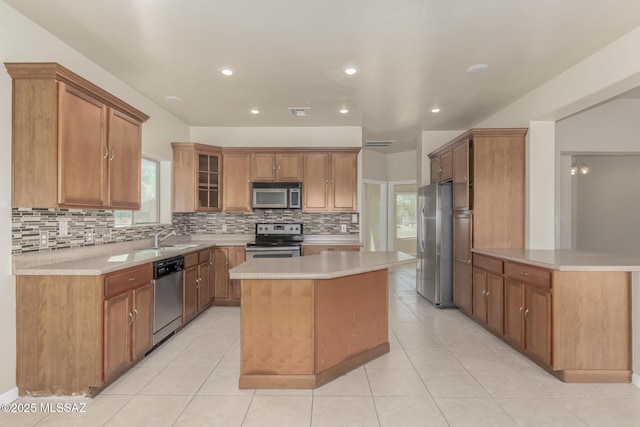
(180, 246)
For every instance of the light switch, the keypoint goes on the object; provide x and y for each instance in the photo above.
(343, 228)
(63, 227)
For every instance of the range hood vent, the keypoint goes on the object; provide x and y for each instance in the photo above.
(378, 144)
(300, 111)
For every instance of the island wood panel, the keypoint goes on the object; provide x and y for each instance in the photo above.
(351, 317)
(277, 327)
(592, 326)
(59, 334)
(498, 180)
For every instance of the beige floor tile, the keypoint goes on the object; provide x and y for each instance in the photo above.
(483, 362)
(396, 359)
(284, 392)
(396, 382)
(539, 412)
(476, 412)
(177, 381)
(133, 381)
(161, 357)
(627, 390)
(603, 412)
(25, 412)
(156, 411)
(408, 411)
(333, 411)
(279, 411)
(508, 384)
(354, 383)
(197, 357)
(222, 411)
(452, 383)
(97, 412)
(231, 359)
(433, 359)
(223, 382)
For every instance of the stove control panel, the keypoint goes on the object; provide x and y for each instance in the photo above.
(279, 229)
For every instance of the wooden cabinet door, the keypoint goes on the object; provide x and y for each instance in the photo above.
(495, 303)
(236, 193)
(190, 294)
(117, 339)
(479, 291)
(513, 312)
(142, 334)
(435, 170)
(462, 291)
(315, 182)
(221, 273)
(125, 157)
(263, 167)
(212, 276)
(462, 286)
(289, 167)
(82, 150)
(462, 237)
(537, 317)
(446, 166)
(208, 182)
(237, 257)
(461, 177)
(344, 182)
(203, 286)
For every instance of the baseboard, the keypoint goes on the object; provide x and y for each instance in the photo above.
(635, 380)
(9, 396)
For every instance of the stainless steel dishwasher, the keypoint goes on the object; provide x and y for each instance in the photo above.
(167, 289)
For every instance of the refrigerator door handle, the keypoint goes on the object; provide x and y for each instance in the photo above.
(423, 229)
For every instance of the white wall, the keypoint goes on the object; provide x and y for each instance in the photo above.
(402, 166)
(23, 41)
(299, 137)
(374, 165)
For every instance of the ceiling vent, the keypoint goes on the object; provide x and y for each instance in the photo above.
(300, 111)
(378, 144)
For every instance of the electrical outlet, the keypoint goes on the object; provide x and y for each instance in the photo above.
(343, 228)
(63, 227)
(354, 218)
(224, 227)
(88, 236)
(44, 239)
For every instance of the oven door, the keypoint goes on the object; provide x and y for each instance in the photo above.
(256, 252)
(270, 198)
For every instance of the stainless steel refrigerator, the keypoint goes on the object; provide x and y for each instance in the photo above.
(434, 279)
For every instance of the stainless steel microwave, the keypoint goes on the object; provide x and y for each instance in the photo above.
(276, 195)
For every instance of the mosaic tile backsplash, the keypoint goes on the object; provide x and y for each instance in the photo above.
(96, 227)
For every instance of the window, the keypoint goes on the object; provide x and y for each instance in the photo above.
(149, 212)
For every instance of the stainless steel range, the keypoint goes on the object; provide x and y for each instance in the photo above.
(275, 241)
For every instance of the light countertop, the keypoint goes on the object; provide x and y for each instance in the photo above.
(326, 265)
(565, 259)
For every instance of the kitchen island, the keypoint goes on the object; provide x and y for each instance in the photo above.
(308, 320)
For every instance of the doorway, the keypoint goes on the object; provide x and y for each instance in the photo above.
(403, 212)
(375, 215)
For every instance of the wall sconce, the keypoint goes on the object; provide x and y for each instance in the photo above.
(581, 168)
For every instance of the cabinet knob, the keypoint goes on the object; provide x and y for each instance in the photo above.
(133, 279)
(469, 262)
(113, 154)
(273, 166)
(524, 273)
(526, 314)
(520, 311)
(135, 312)
(106, 152)
(486, 296)
(130, 318)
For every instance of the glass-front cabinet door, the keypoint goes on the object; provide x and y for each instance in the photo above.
(208, 182)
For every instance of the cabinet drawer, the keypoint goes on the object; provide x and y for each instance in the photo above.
(486, 263)
(203, 256)
(190, 259)
(525, 273)
(122, 281)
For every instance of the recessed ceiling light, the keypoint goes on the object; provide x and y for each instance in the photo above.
(255, 111)
(477, 68)
(435, 110)
(227, 71)
(343, 111)
(172, 98)
(350, 70)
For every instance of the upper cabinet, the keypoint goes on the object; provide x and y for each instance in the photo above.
(236, 179)
(330, 181)
(270, 166)
(74, 144)
(197, 176)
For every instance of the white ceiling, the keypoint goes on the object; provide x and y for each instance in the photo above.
(412, 55)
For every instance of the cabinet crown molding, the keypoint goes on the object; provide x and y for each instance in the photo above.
(199, 145)
(53, 70)
(479, 132)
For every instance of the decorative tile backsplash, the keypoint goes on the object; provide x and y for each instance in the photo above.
(96, 227)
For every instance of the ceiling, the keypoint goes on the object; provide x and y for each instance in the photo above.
(412, 55)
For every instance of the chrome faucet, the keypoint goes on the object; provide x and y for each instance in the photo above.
(157, 239)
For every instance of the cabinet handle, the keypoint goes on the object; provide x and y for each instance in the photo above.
(130, 318)
(135, 312)
(113, 154)
(273, 166)
(484, 292)
(485, 263)
(526, 312)
(279, 167)
(524, 273)
(106, 152)
(468, 262)
(133, 279)
(466, 178)
(520, 311)
(486, 296)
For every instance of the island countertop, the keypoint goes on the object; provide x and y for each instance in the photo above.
(325, 265)
(565, 259)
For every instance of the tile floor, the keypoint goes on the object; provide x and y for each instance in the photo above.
(443, 369)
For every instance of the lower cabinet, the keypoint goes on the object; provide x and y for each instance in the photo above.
(488, 293)
(316, 249)
(196, 286)
(462, 243)
(128, 319)
(227, 291)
